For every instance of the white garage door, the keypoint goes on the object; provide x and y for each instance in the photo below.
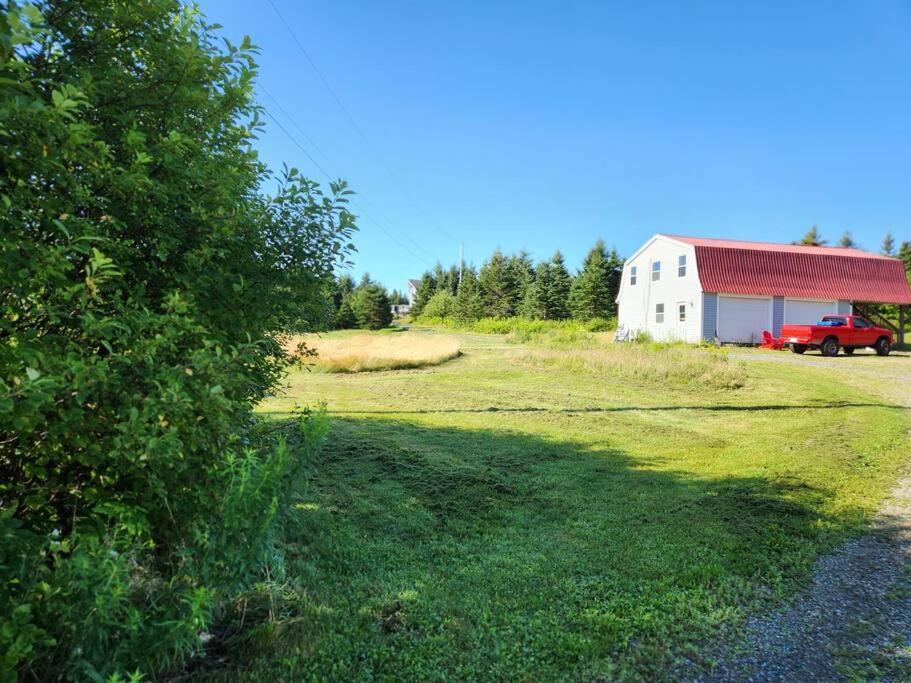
(804, 312)
(742, 319)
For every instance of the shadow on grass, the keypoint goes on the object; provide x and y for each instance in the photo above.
(614, 409)
(432, 552)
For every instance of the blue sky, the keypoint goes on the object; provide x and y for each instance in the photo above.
(546, 125)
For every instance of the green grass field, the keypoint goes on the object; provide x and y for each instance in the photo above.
(543, 511)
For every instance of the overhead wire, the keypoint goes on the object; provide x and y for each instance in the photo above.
(355, 125)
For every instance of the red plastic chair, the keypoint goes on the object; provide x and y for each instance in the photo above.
(770, 342)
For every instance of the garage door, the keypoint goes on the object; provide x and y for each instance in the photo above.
(742, 319)
(803, 312)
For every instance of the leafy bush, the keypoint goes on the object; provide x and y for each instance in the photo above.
(146, 280)
(440, 305)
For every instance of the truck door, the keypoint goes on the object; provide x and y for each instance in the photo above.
(861, 334)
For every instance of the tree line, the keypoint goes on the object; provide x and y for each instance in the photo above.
(813, 237)
(507, 286)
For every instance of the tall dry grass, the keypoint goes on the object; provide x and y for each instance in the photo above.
(373, 352)
(678, 365)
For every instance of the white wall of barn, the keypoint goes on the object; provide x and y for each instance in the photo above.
(638, 302)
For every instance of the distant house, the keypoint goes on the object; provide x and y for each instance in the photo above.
(399, 310)
(412, 290)
(693, 289)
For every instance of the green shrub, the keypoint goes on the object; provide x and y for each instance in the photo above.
(440, 305)
(146, 280)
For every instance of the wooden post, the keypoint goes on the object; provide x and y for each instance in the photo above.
(901, 325)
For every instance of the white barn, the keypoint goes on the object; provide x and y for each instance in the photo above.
(693, 289)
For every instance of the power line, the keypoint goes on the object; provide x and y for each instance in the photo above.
(335, 167)
(331, 180)
(354, 124)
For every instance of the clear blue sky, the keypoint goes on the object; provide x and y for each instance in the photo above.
(545, 125)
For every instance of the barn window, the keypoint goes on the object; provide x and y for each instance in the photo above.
(633, 271)
(681, 265)
(656, 271)
(659, 313)
(681, 312)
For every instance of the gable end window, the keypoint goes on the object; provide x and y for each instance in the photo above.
(659, 313)
(633, 272)
(656, 271)
(681, 265)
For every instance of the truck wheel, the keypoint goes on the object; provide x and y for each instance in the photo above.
(798, 348)
(829, 347)
(883, 347)
(849, 350)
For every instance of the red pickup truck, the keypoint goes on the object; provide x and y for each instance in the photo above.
(847, 332)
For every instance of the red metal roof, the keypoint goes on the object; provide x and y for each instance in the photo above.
(769, 269)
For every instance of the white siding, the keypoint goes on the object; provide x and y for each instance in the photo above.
(637, 302)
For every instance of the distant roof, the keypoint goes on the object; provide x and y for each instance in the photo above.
(796, 270)
(413, 283)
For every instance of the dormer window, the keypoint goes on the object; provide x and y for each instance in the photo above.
(633, 273)
(681, 265)
(656, 271)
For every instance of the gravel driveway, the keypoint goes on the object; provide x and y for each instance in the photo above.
(853, 622)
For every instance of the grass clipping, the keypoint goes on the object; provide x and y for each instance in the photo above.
(375, 352)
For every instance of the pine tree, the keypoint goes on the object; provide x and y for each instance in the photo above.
(904, 253)
(812, 238)
(499, 288)
(344, 315)
(535, 302)
(468, 305)
(888, 247)
(847, 241)
(593, 290)
(615, 276)
(558, 288)
(523, 270)
(426, 289)
(371, 306)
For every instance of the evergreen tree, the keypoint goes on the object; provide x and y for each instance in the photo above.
(615, 275)
(535, 303)
(847, 241)
(425, 289)
(344, 315)
(904, 253)
(396, 298)
(594, 289)
(523, 270)
(468, 305)
(558, 289)
(812, 238)
(499, 288)
(344, 287)
(888, 247)
(371, 306)
(452, 276)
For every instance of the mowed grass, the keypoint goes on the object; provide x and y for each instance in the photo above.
(516, 515)
(345, 352)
